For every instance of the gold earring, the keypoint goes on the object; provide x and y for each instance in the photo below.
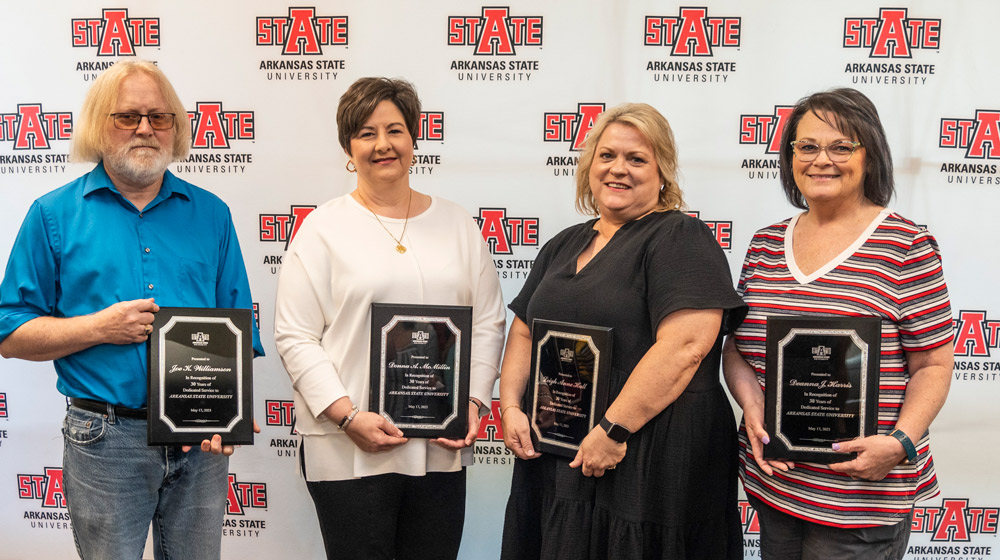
(350, 166)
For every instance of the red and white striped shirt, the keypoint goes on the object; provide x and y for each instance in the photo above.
(892, 271)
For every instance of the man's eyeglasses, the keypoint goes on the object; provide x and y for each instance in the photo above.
(130, 121)
(838, 152)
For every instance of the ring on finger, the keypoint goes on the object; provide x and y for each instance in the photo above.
(148, 330)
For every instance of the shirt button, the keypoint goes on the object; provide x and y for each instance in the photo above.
(150, 286)
(147, 249)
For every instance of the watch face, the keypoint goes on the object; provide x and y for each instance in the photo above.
(620, 433)
(616, 432)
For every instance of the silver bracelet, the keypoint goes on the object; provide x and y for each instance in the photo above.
(347, 419)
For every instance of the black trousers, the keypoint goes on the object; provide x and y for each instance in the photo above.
(392, 516)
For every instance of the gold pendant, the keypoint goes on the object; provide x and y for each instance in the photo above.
(400, 249)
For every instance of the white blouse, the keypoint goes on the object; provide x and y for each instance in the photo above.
(340, 262)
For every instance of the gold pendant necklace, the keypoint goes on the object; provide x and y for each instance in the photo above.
(399, 242)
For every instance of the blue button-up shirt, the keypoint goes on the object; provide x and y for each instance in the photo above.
(83, 247)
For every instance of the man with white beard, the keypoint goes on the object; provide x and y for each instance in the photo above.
(92, 263)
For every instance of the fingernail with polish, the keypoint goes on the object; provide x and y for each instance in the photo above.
(836, 447)
(766, 440)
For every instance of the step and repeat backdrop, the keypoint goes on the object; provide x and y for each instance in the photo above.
(510, 90)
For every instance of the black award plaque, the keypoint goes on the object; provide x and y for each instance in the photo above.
(200, 376)
(568, 385)
(420, 358)
(821, 387)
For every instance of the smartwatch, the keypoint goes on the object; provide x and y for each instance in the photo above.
(904, 440)
(616, 432)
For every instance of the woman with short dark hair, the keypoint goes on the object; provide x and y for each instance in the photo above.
(379, 494)
(846, 255)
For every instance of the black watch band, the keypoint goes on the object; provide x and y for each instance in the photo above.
(616, 432)
(908, 447)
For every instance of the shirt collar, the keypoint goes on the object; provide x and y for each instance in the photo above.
(98, 179)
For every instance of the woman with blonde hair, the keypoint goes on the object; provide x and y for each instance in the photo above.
(657, 477)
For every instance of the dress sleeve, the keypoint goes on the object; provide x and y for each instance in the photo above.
(30, 283)
(925, 311)
(686, 269)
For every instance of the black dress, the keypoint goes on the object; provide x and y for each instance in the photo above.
(674, 494)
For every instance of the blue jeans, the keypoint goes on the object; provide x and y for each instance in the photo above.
(116, 485)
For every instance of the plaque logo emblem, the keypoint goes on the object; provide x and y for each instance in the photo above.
(821, 352)
(420, 337)
(566, 354)
(199, 339)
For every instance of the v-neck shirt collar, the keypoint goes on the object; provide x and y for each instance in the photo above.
(833, 263)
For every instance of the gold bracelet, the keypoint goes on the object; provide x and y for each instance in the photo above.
(504, 409)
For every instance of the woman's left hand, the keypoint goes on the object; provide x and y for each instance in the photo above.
(470, 437)
(877, 455)
(598, 453)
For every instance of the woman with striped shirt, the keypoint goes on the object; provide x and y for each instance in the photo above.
(845, 255)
